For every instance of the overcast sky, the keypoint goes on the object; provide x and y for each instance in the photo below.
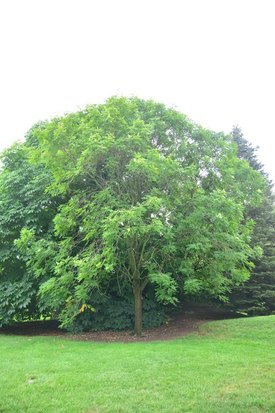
(211, 59)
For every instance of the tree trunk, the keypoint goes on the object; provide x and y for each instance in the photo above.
(138, 310)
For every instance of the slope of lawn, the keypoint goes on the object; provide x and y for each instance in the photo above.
(227, 367)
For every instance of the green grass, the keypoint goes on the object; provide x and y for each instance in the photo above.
(226, 367)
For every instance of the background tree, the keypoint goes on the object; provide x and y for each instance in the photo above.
(152, 199)
(257, 295)
(23, 203)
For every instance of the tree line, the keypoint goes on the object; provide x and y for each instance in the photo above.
(110, 215)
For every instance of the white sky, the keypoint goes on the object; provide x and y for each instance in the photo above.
(211, 59)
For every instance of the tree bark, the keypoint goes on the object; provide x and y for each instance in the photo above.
(138, 310)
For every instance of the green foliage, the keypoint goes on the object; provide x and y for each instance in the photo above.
(23, 203)
(17, 299)
(257, 295)
(128, 194)
(116, 312)
(152, 200)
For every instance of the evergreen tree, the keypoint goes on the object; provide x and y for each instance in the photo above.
(257, 295)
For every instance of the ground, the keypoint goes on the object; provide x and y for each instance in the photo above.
(177, 326)
(225, 366)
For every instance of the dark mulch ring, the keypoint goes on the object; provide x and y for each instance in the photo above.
(177, 326)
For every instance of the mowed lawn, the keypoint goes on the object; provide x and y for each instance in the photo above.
(227, 367)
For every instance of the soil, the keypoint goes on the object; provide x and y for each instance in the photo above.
(177, 326)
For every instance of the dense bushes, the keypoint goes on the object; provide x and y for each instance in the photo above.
(116, 312)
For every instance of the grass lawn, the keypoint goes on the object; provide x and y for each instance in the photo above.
(227, 367)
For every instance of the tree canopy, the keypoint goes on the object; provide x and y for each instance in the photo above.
(257, 295)
(147, 199)
(23, 204)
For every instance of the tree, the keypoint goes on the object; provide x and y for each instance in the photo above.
(23, 203)
(153, 199)
(257, 295)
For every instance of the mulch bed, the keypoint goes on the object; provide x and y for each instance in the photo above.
(178, 326)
